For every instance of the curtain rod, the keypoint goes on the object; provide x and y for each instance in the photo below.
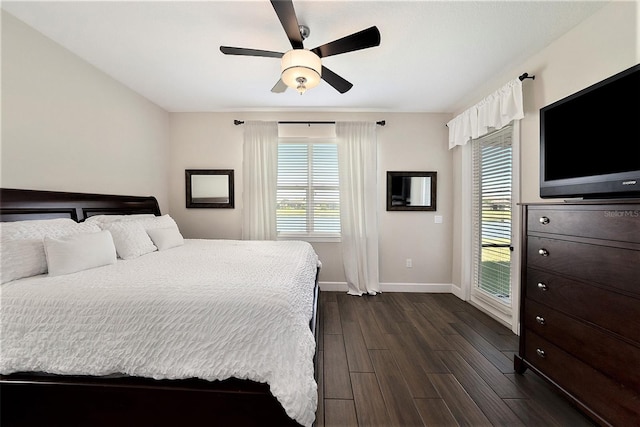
(241, 122)
(526, 76)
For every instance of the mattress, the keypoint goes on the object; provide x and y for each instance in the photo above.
(210, 309)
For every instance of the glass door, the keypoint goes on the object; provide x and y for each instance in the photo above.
(492, 222)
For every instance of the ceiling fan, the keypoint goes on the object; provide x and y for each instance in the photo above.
(302, 69)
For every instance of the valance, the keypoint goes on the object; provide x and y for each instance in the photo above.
(493, 112)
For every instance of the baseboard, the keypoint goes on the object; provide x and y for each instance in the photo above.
(333, 286)
(457, 291)
(393, 287)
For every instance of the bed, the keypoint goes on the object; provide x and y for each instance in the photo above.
(182, 335)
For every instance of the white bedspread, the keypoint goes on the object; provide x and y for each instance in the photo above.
(210, 309)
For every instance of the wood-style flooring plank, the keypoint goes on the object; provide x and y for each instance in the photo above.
(492, 375)
(491, 333)
(531, 413)
(494, 355)
(320, 382)
(492, 323)
(356, 350)
(461, 405)
(435, 307)
(346, 306)
(452, 303)
(434, 339)
(331, 318)
(387, 317)
(398, 399)
(487, 400)
(410, 364)
(436, 318)
(400, 301)
(336, 373)
(557, 406)
(435, 413)
(416, 345)
(371, 332)
(340, 413)
(320, 323)
(370, 407)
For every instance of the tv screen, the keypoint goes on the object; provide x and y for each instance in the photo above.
(590, 141)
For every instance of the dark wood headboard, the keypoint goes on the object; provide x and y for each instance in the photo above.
(18, 205)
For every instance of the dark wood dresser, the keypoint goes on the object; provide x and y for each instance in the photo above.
(580, 304)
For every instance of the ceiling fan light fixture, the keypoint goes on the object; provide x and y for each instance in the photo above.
(301, 69)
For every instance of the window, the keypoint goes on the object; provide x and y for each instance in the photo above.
(492, 194)
(308, 195)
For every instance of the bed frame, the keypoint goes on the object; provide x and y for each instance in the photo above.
(35, 399)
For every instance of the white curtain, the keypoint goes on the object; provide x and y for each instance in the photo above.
(357, 164)
(493, 112)
(260, 175)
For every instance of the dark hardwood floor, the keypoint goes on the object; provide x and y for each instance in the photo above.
(404, 359)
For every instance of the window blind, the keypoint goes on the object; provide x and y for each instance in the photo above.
(308, 197)
(492, 181)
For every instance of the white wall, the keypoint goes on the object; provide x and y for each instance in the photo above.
(407, 142)
(600, 46)
(68, 126)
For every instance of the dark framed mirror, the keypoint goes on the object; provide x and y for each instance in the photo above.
(411, 191)
(209, 188)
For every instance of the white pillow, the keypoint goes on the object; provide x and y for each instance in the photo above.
(22, 248)
(164, 221)
(104, 219)
(130, 238)
(21, 258)
(78, 252)
(31, 227)
(166, 238)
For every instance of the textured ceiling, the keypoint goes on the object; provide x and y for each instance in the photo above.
(431, 54)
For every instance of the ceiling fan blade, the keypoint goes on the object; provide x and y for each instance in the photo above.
(338, 83)
(227, 50)
(356, 41)
(279, 87)
(287, 16)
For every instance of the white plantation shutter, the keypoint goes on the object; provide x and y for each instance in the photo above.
(326, 189)
(293, 182)
(492, 194)
(308, 198)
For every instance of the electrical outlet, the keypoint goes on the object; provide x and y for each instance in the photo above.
(409, 263)
(437, 219)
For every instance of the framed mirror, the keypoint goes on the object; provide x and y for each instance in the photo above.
(411, 191)
(209, 188)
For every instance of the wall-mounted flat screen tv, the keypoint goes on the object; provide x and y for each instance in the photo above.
(590, 141)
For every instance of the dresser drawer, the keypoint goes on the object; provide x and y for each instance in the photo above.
(608, 266)
(615, 222)
(603, 351)
(615, 403)
(610, 310)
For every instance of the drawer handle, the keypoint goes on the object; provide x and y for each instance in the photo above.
(541, 353)
(542, 286)
(544, 220)
(540, 320)
(543, 252)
